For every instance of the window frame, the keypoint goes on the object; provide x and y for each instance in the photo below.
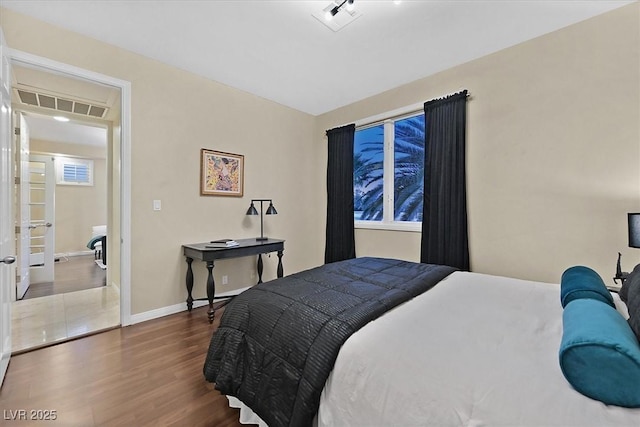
(388, 119)
(61, 161)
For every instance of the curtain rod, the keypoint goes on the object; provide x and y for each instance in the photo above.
(395, 114)
(453, 93)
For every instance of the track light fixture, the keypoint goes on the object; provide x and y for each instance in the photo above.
(338, 7)
(331, 13)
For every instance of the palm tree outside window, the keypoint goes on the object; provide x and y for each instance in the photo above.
(389, 170)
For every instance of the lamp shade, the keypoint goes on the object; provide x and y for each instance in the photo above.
(634, 230)
(252, 210)
(271, 210)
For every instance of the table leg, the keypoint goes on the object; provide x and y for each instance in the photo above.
(260, 268)
(189, 284)
(211, 291)
(280, 269)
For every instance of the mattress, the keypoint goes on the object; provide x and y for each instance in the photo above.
(277, 342)
(475, 350)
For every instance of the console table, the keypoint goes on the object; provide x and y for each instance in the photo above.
(246, 247)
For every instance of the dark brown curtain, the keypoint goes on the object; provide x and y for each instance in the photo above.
(444, 219)
(340, 240)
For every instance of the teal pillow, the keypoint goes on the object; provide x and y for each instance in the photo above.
(599, 354)
(582, 282)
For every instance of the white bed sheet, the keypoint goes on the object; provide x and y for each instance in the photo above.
(476, 350)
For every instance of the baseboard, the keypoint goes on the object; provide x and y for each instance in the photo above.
(115, 286)
(164, 311)
(71, 254)
(177, 308)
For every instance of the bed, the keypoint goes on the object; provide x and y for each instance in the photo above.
(471, 350)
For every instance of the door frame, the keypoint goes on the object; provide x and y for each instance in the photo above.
(55, 67)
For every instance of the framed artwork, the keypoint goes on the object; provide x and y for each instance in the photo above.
(221, 174)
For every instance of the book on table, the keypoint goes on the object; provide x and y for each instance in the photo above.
(222, 243)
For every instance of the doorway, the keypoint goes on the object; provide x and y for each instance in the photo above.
(116, 292)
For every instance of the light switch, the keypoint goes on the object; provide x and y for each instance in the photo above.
(157, 205)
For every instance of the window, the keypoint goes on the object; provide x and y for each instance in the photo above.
(70, 171)
(388, 172)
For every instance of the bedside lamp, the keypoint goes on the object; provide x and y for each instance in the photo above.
(253, 211)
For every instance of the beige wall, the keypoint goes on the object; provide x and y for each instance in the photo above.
(553, 150)
(77, 208)
(174, 115)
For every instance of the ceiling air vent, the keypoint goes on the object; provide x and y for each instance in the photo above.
(60, 104)
(28, 97)
(81, 108)
(47, 101)
(65, 105)
(97, 111)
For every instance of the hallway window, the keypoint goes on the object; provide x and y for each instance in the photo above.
(73, 171)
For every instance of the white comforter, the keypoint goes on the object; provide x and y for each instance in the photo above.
(475, 350)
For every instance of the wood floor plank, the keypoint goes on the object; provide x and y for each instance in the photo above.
(145, 374)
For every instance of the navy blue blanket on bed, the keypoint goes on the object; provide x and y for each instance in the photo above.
(278, 341)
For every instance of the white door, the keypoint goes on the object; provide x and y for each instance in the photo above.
(7, 271)
(24, 238)
(37, 181)
(42, 218)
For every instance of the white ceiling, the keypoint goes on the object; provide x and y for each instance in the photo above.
(45, 128)
(279, 51)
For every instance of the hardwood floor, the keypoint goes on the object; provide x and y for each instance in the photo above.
(71, 274)
(148, 374)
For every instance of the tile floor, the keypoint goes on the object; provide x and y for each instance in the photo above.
(41, 321)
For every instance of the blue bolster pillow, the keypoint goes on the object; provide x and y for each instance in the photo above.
(582, 282)
(599, 354)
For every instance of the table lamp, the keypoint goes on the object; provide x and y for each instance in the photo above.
(253, 211)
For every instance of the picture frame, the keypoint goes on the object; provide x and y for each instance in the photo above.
(221, 174)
